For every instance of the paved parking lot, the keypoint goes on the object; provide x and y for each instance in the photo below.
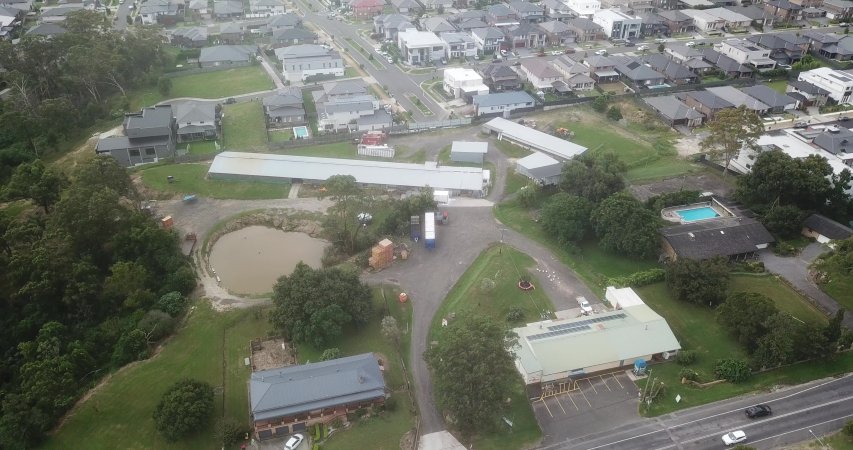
(595, 404)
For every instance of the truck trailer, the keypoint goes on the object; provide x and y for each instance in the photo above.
(429, 230)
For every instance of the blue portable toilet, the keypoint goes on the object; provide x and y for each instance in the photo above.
(640, 367)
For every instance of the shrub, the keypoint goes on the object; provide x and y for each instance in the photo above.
(173, 303)
(330, 353)
(784, 249)
(184, 407)
(614, 113)
(360, 412)
(230, 432)
(848, 428)
(156, 325)
(164, 85)
(390, 404)
(685, 357)
(515, 314)
(733, 370)
(130, 347)
(638, 279)
(689, 374)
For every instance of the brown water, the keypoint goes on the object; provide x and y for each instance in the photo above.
(250, 260)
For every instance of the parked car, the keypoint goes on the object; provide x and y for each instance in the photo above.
(586, 308)
(758, 411)
(557, 52)
(735, 437)
(601, 52)
(293, 442)
(569, 51)
(642, 48)
(691, 44)
(230, 101)
(630, 44)
(503, 52)
(801, 125)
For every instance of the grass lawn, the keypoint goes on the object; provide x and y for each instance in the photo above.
(281, 135)
(336, 150)
(511, 150)
(220, 84)
(202, 147)
(841, 289)
(503, 266)
(243, 127)
(190, 179)
(419, 104)
(778, 85)
(514, 181)
(666, 167)
(209, 347)
(785, 298)
(603, 137)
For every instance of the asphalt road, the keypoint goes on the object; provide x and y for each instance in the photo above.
(800, 413)
(121, 13)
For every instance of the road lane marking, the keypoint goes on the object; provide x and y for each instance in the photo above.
(801, 429)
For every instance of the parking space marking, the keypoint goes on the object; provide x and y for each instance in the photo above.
(568, 394)
(592, 385)
(617, 380)
(560, 404)
(605, 383)
(584, 397)
(547, 408)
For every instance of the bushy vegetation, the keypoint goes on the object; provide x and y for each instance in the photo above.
(699, 282)
(184, 407)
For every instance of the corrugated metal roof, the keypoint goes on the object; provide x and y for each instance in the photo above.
(368, 172)
(537, 160)
(535, 139)
(298, 389)
(469, 147)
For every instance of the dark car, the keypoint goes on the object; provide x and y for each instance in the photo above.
(630, 44)
(230, 101)
(758, 411)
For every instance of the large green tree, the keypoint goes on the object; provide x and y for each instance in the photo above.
(314, 305)
(743, 315)
(473, 371)
(35, 181)
(593, 176)
(731, 131)
(186, 406)
(342, 218)
(701, 282)
(623, 225)
(566, 217)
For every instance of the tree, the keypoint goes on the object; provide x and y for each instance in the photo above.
(731, 131)
(473, 371)
(330, 353)
(785, 221)
(699, 282)
(528, 194)
(131, 346)
(623, 225)
(788, 340)
(390, 330)
(186, 406)
(593, 176)
(566, 217)
(343, 215)
(37, 182)
(743, 315)
(834, 330)
(600, 103)
(104, 172)
(173, 303)
(661, 48)
(614, 113)
(807, 62)
(684, 197)
(313, 305)
(733, 370)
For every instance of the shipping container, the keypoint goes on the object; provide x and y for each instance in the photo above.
(441, 196)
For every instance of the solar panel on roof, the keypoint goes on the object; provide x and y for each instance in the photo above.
(587, 322)
(560, 332)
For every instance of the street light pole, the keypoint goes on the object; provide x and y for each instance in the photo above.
(819, 440)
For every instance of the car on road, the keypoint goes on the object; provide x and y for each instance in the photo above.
(601, 52)
(293, 442)
(503, 52)
(556, 52)
(642, 48)
(630, 44)
(586, 308)
(758, 411)
(569, 51)
(801, 125)
(691, 44)
(734, 437)
(230, 101)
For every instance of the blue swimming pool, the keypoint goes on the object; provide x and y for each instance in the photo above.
(694, 214)
(300, 132)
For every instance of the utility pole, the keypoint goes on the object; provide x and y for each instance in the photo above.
(648, 377)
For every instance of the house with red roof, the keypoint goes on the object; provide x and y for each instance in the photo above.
(367, 8)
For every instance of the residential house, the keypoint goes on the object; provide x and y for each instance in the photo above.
(674, 72)
(420, 47)
(618, 25)
(748, 53)
(634, 7)
(407, 6)
(284, 109)
(20, 5)
(227, 9)
(432, 5)
(652, 25)
(459, 45)
(266, 7)
(785, 48)
(302, 61)
(825, 230)
(463, 83)
(808, 3)
(47, 30)
(674, 111)
(585, 30)
(499, 15)
(576, 82)
(728, 66)
(806, 93)
(541, 168)
(390, 25)
(640, 75)
(471, 24)
(703, 21)
(148, 136)
(500, 77)
(838, 9)
(10, 20)
(732, 21)
(341, 105)
(292, 36)
(200, 9)
(603, 68)
(524, 35)
(840, 50)
(557, 10)
(706, 103)
(730, 237)
(56, 14)
(463, 16)
(689, 57)
(196, 121)
(837, 141)
(227, 55)
(284, 22)
(676, 21)
(777, 102)
(783, 11)
(736, 98)
(755, 13)
(365, 9)
(291, 399)
(540, 73)
(584, 9)
(230, 33)
(192, 37)
(437, 25)
(557, 33)
(570, 67)
(488, 40)
(503, 103)
(527, 11)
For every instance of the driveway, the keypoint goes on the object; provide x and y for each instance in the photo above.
(795, 270)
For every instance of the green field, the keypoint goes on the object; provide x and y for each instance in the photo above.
(219, 84)
(209, 347)
(841, 289)
(191, 179)
(202, 147)
(281, 135)
(503, 265)
(785, 298)
(514, 181)
(511, 150)
(243, 128)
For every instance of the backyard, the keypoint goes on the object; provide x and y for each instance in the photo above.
(210, 347)
(191, 179)
(243, 127)
(211, 85)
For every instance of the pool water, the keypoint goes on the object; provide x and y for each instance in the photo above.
(694, 214)
(300, 132)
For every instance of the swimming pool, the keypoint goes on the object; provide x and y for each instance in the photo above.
(694, 214)
(300, 132)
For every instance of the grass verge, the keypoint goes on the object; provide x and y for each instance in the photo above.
(191, 179)
(219, 84)
(514, 181)
(785, 298)
(419, 104)
(243, 127)
(511, 150)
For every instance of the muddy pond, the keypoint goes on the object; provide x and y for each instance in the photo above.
(250, 260)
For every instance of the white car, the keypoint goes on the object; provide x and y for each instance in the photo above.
(293, 442)
(642, 48)
(690, 44)
(735, 437)
(503, 52)
(601, 53)
(586, 308)
(556, 52)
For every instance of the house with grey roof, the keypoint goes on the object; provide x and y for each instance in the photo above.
(838, 9)
(806, 93)
(736, 98)
(727, 65)
(524, 35)
(527, 11)
(706, 103)
(503, 103)
(266, 7)
(540, 73)
(437, 25)
(190, 37)
(674, 111)
(284, 21)
(390, 25)
(284, 109)
(458, 44)
(557, 33)
(48, 30)
(291, 399)
(640, 75)
(56, 14)
(227, 55)
(196, 121)
(292, 36)
(674, 72)
(226, 9)
(777, 102)
(199, 8)
(499, 14)
(825, 230)
(348, 106)
(735, 238)
(488, 39)
(676, 21)
(500, 77)
(836, 140)
(301, 61)
(231, 33)
(557, 10)
(407, 6)
(148, 136)
(785, 48)
(471, 24)
(840, 50)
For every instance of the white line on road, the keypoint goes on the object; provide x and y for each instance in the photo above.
(801, 429)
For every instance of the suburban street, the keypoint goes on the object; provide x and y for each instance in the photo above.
(800, 413)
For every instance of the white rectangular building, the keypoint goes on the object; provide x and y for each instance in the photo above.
(463, 83)
(746, 52)
(541, 168)
(533, 139)
(584, 8)
(305, 60)
(616, 24)
(839, 84)
(468, 152)
(420, 47)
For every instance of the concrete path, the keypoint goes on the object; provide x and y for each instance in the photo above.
(795, 270)
(271, 72)
(294, 191)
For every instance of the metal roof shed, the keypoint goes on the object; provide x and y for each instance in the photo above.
(529, 138)
(541, 168)
(468, 152)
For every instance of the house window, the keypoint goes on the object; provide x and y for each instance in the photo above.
(134, 153)
(150, 152)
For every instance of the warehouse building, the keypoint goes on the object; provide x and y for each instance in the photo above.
(554, 352)
(540, 168)
(532, 139)
(468, 152)
(471, 181)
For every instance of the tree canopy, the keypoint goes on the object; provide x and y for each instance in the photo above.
(593, 176)
(743, 315)
(732, 130)
(566, 217)
(473, 371)
(623, 225)
(701, 282)
(314, 305)
(184, 407)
